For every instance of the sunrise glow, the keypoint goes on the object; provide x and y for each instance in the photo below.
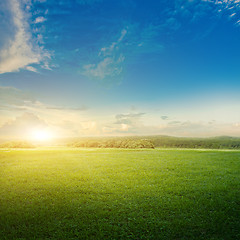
(41, 135)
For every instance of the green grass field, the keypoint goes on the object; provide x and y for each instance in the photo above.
(119, 194)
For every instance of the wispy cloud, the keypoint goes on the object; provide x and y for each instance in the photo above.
(230, 7)
(110, 62)
(15, 99)
(131, 119)
(20, 50)
(82, 108)
(164, 117)
(31, 69)
(40, 19)
(129, 124)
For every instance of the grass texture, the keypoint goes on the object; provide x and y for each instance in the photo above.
(68, 193)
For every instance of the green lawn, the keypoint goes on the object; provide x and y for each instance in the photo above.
(119, 194)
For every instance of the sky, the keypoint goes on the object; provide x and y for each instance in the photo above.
(118, 68)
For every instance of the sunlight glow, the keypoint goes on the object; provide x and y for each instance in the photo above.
(41, 135)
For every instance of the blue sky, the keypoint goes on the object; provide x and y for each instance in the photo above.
(127, 67)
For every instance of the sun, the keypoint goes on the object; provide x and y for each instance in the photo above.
(41, 135)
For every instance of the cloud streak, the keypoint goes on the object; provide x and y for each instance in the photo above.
(13, 97)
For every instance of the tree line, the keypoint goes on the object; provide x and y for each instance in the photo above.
(158, 142)
(138, 142)
(113, 143)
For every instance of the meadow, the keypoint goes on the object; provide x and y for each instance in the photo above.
(69, 193)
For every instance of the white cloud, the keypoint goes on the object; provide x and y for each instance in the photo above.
(110, 65)
(20, 50)
(40, 20)
(31, 69)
